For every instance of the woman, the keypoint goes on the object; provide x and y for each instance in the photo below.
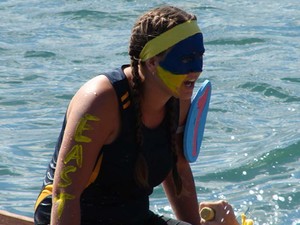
(119, 139)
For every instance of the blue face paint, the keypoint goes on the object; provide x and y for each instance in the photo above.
(186, 56)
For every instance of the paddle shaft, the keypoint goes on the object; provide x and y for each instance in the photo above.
(207, 213)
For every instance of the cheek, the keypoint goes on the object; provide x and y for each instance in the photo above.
(173, 82)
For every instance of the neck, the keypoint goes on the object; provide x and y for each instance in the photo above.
(154, 99)
(154, 93)
(153, 103)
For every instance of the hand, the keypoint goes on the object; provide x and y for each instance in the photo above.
(224, 214)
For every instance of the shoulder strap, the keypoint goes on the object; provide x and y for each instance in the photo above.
(122, 89)
(121, 86)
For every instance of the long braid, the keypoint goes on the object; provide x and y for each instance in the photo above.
(141, 170)
(172, 109)
(146, 28)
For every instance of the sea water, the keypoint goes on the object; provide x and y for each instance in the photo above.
(251, 148)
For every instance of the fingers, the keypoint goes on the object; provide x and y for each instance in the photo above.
(213, 205)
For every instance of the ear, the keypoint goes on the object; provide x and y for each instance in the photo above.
(152, 63)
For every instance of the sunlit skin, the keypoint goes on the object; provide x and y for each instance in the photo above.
(74, 155)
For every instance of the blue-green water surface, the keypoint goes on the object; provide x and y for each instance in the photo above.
(251, 149)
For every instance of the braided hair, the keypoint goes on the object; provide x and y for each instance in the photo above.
(147, 27)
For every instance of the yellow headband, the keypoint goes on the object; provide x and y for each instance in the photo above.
(169, 38)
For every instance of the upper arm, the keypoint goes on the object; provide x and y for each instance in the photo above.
(91, 122)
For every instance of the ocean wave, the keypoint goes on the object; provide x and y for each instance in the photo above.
(269, 90)
(233, 41)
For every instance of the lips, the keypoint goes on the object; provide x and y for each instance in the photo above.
(189, 83)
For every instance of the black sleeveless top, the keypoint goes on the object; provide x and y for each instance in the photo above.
(114, 196)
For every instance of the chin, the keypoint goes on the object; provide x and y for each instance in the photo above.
(183, 92)
(186, 93)
(185, 97)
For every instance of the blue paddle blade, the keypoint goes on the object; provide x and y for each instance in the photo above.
(195, 124)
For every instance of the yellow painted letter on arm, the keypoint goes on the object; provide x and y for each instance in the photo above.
(82, 126)
(64, 176)
(75, 153)
(61, 201)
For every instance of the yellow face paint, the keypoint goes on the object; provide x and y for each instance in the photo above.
(172, 81)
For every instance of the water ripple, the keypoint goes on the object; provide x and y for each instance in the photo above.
(270, 91)
(232, 41)
(39, 54)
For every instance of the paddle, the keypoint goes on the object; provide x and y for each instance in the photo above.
(195, 124)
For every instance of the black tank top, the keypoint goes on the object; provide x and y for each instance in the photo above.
(114, 194)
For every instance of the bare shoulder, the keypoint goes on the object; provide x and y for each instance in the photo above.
(96, 91)
(97, 98)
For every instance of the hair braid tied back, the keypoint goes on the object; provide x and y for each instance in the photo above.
(147, 27)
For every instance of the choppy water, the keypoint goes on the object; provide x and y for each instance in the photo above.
(250, 154)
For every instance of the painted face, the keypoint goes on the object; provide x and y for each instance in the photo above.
(184, 57)
(173, 82)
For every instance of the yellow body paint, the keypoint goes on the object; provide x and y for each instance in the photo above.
(66, 180)
(61, 200)
(82, 126)
(246, 221)
(76, 153)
